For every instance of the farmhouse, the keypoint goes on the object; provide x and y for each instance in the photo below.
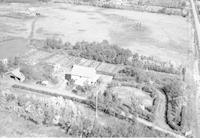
(16, 75)
(82, 75)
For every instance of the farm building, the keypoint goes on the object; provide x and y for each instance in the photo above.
(16, 75)
(82, 75)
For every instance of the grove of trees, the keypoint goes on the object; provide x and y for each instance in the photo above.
(174, 95)
(106, 52)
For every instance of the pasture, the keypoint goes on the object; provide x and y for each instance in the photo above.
(162, 36)
(13, 47)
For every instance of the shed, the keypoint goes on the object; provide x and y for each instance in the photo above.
(16, 75)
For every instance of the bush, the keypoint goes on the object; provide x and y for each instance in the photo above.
(163, 10)
(173, 89)
(139, 75)
(86, 89)
(174, 106)
(53, 43)
(10, 97)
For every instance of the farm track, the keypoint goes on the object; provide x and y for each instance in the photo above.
(48, 92)
(31, 35)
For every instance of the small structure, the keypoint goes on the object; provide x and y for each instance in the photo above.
(16, 75)
(82, 75)
(31, 12)
(4, 61)
(43, 83)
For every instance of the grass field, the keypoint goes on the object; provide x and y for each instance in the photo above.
(162, 36)
(12, 48)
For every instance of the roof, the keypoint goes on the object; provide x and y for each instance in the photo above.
(17, 73)
(82, 71)
(80, 81)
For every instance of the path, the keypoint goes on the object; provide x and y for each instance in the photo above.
(31, 35)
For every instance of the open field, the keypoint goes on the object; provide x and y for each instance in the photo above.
(162, 36)
(13, 47)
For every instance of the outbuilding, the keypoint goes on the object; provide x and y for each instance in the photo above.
(16, 75)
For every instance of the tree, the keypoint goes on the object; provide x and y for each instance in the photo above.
(2, 68)
(53, 43)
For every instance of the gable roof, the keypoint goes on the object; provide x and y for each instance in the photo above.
(82, 71)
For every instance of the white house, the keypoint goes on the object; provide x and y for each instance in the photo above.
(82, 75)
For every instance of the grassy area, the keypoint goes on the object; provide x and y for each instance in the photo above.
(13, 48)
(162, 36)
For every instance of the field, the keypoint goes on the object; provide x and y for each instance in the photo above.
(165, 37)
(13, 47)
